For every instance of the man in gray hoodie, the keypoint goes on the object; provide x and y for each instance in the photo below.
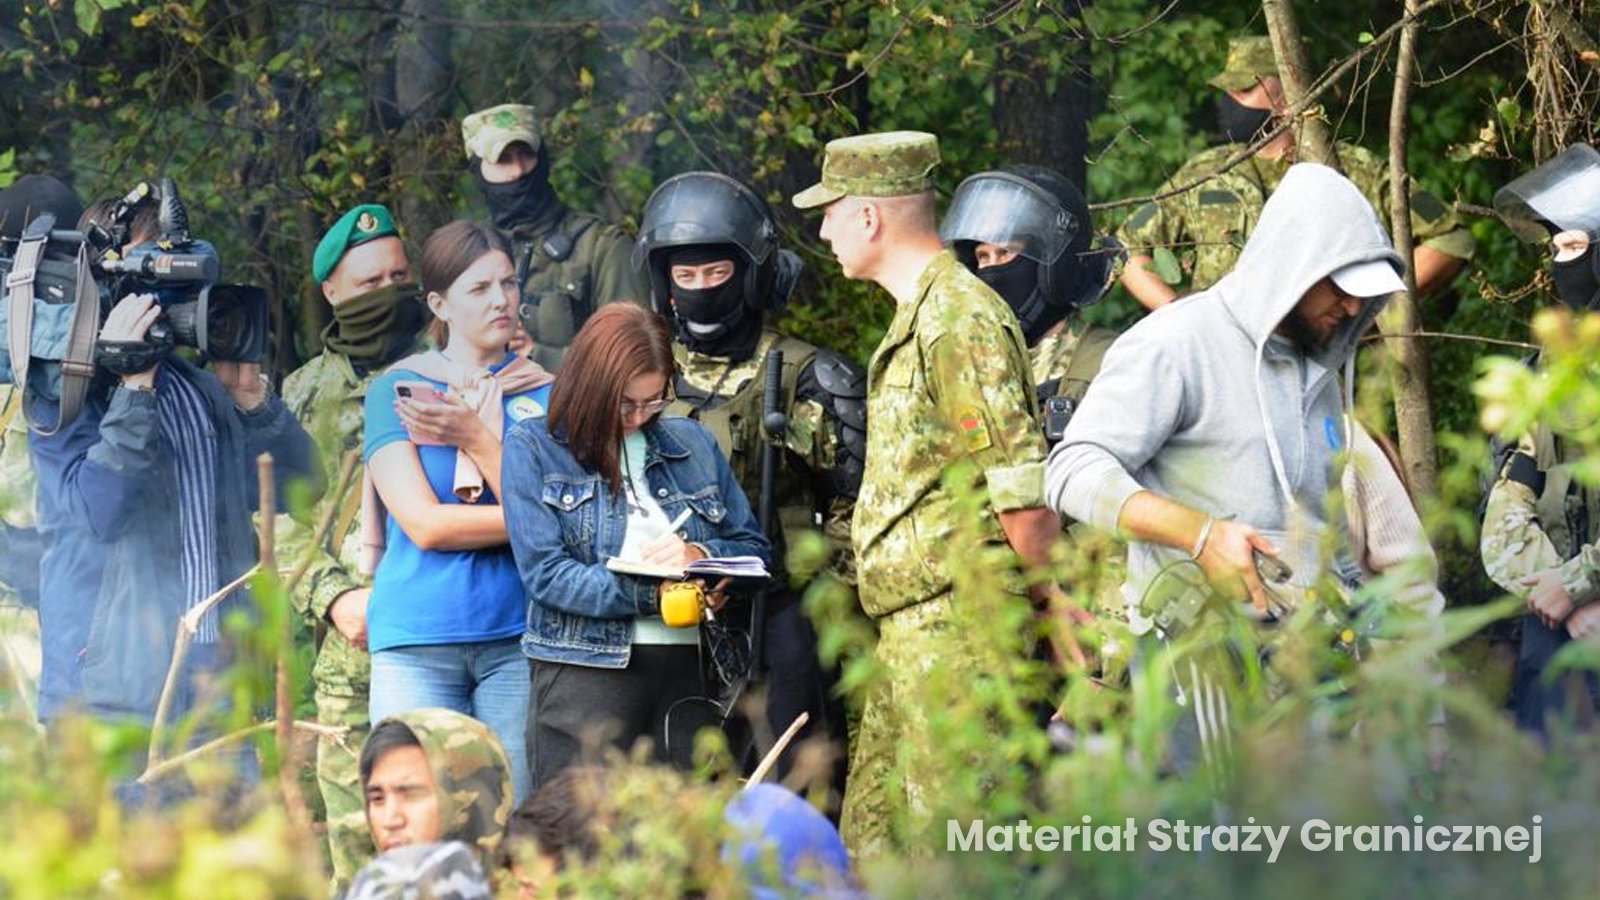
(1212, 429)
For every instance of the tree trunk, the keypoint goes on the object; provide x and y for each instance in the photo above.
(1040, 126)
(1313, 139)
(1413, 405)
(422, 75)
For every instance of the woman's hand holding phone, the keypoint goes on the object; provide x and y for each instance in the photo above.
(434, 418)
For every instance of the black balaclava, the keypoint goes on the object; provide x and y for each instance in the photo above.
(716, 321)
(1240, 124)
(526, 201)
(1017, 283)
(1577, 279)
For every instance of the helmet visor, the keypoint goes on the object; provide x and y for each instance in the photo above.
(685, 211)
(1002, 209)
(1564, 191)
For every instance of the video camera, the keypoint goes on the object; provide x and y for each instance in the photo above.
(225, 321)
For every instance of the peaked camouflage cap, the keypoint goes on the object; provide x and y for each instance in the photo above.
(488, 132)
(1250, 59)
(886, 164)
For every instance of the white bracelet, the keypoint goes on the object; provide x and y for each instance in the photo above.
(1200, 542)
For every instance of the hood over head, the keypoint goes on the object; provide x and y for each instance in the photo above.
(471, 771)
(1315, 223)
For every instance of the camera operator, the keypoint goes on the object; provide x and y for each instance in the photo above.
(157, 478)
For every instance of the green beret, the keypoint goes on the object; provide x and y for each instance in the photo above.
(1250, 59)
(367, 222)
(887, 164)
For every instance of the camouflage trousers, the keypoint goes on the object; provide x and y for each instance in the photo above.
(897, 772)
(339, 778)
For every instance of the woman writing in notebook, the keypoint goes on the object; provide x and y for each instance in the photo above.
(602, 477)
(447, 608)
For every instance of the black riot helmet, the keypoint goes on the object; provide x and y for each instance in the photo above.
(708, 210)
(1040, 215)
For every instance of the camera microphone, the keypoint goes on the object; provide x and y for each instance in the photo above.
(161, 266)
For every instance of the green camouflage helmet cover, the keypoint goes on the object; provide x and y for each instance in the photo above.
(886, 164)
(471, 772)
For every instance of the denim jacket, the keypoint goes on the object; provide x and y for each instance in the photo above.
(564, 522)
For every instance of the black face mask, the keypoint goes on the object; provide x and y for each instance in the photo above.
(1240, 124)
(1017, 283)
(1577, 282)
(524, 202)
(715, 320)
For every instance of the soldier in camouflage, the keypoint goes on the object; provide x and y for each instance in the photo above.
(1207, 226)
(434, 775)
(949, 384)
(569, 264)
(1541, 522)
(378, 316)
(709, 244)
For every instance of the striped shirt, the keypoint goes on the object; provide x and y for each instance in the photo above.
(189, 432)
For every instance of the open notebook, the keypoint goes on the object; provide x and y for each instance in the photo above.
(741, 567)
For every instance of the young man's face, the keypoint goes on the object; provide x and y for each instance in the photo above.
(1313, 321)
(516, 160)
(402, 800)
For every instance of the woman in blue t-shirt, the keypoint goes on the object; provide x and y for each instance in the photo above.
(447, 607)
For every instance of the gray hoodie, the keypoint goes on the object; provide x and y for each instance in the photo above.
(1201, 403)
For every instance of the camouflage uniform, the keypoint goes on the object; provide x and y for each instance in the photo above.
(471, 773)
(1526, 532)
(568, 263)
(447, 871)
(948, 383)
(19, 624)
(1207, 226)
(326, 395)
(812, 440)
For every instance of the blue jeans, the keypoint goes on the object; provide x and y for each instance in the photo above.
(487, 680)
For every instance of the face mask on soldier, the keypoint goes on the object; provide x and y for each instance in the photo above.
(1240, 124)
(523, 201)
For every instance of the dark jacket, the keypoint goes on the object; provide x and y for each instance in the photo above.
(108, 491)
(564, 522)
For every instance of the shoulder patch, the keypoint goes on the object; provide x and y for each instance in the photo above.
(1143, 214)
(974, 430)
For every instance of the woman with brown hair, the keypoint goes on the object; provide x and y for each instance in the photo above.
(605, 476)
(447, 609)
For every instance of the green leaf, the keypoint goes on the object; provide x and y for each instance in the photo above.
(1165, 265)
(1364, 37)
(88, 15)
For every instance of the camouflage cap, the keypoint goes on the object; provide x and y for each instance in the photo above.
(1250, 59)
(887, 164)
(366, 222)
(488, 132)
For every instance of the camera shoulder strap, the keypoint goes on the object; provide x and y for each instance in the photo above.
(77, 368)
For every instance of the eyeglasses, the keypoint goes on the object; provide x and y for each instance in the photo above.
(631, 408)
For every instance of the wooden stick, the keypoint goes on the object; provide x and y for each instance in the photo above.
(771, 759)
(188, 624)
(167, 767)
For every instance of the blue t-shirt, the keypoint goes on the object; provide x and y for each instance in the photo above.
(423, 597)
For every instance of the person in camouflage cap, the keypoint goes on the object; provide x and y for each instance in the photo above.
(568, 263)
(432, 775)
(949, 383)
(1198, 233)
(364, 273)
